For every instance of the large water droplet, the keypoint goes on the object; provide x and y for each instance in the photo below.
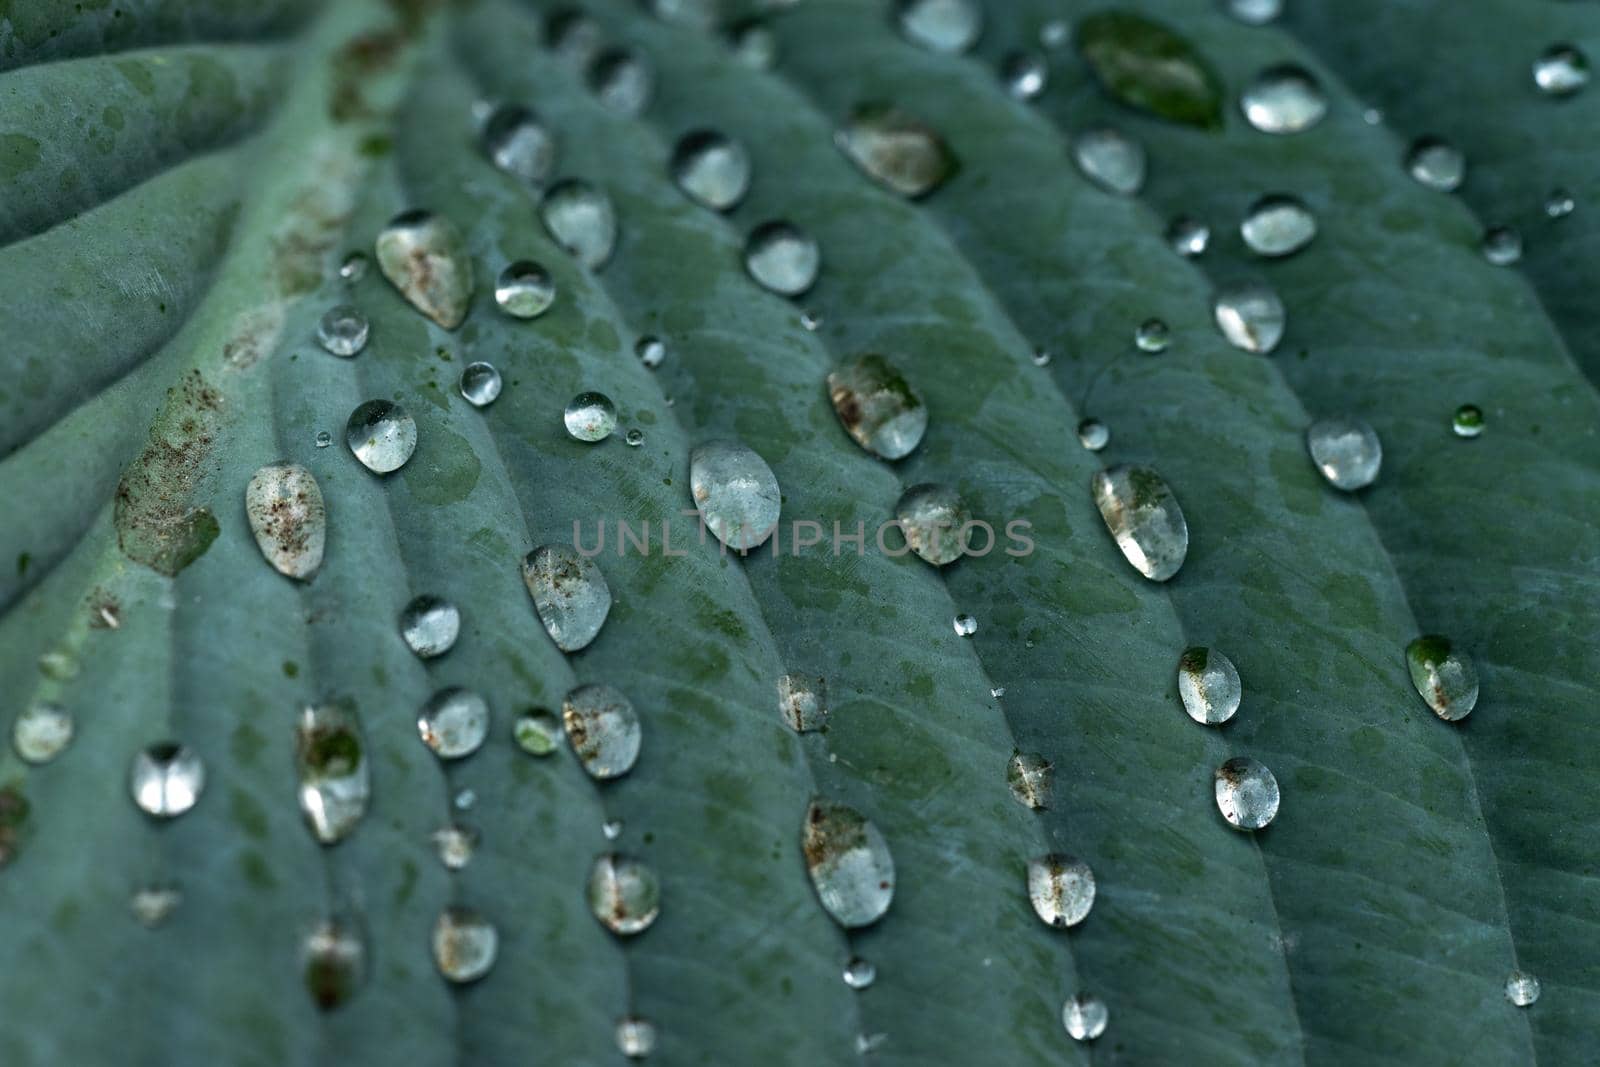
(1502, 245)
(735, 492)
(950, 26)
(1278, 225)
(1255, 12)
(1031, 778)
(1445, 678)
(1061, 889)
(1283, 99)
(711, 168)
(1247, 793)
(1024, 74)
(624, 894)
(429, 626)
(895, 149)
(1250, 315)
(343, 330)
(1522, 988)
(933, 519)
(1093, 434)
(1467, 421)
(590, 417)
(382, 435)
(42, 732)
(1346, 450)
(166, 779)
(622, 80)
(581, 219)
(1189, 237)
(1561, 71)
(455, 845)
(1111, 159)
(288, 518)
(636, 1037)
(569, 592)
(652, 351)
(1208, 684)
(1436, 164)
(849, 863)
(480, 384)
(803, 702)
(424, 256)
(537, 731)
(454, 722)
(1144, 518)
(331, 757)
(518, 143)
(465, 944)
(1084, 1016)
(603, 729)
(877, 406)
(524, 290)
(334, 962)
(859, 973)
(782, 258)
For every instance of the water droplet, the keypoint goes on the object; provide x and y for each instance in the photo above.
(1445, 678)
(1093, 434)
(480, 384)
(42, 732)
(1502, 246)
(1188, 237)
(634, 437)
(455, 845)
(454, 722)
(1255, 12)
(1559, 204)
(803, 702)
(611, 829)
(590, 417)
(895, 149)
(331, 760)
(1372, 116)
(1436, 164)
(651, 351)
(1346, 450)
(1278, 225)
(354, 267)
(1561, 71)
(1084, 1016)
(569, 592)
(524, 290)
(343, 330)
(624, 894)
(622, 80)
(574, 36)
(950, 26)
(538, 732)
(636, 1037)
(1144, 519)
(1152, 336)
(711, 168)
(1208, 684)
(736, 493)
(1467, 421)
(151, 905)
(859, 973)
(1031, 778)
(1111, 159)
(849, 863)
(1250, 315)
(382, 435)
(288, 518)
(877, 406)
(1247, 793)
(465, 944)
(429, 626)
(1025, 74)
(334, 963)
(518, 143)
(1061, 889)
(603, 729)
(424, 256)
(1522, 988)
(1041, 357)
(811, 320)
(965, 625)
(934, 520)
(323, 439)
(465, 799)
(1283, 99)
(166, 779)
(998, 691)
(581, 219)
(753, 45)
(58, 664)
(782, 259)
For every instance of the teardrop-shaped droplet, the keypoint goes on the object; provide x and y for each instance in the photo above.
(1111, 159)
(1061, 889)
(1024, 73)
(782, 258)
(455, 845)
(465, 944)
(651, 351)
(1144, 519)
(1093, 434)
(1153, 336)
(429, 625)
(859, 973)
(331, 758)
(753, 44)
(624, 894)
(849, 863)
(1031, 778)
(166, 779)
(1250, 315)
(1284, 99)
(1208, 684)
(1084, 1016)
(524, 290)
(636, 1037)
(454, 722)
(622, 80)
(1445, 678)
(1436, 164)
(425, 257)
(877, 406)
(382, 435)
(480, 384)
(1149, 66)
(152, 904)
(581, 219)
(603, 729)
(42, 732)
(950, 26)
(711, 168)
(1278, 225)
(1467, 421)
(537, 732)
(965, 625)
(803, 702)
(343, 330)
(569, 592)
(1189, 237)
(1522, 988)
(590, 417)
(1247, 793)
(895, 149)
(1502, 246)
(517, 142)
(334, 962)
(1346, 450)
(934, 520)
(735, 492)
(288, 518)
(1561, 70)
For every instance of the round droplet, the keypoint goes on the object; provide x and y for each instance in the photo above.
(1055, 33)
(711, 168)
(1561, 71)
(455, 846)
(1093, 434)
(849, 863)
(343, 330)
(465, 799)
(624, 894)
(334, 963)
(1250, 315)
(331, 761)
(524, 290)
(569, 592)
(166, 779)
(425, 257)
(590, 417)
(1031, 778)
(152, 904)
(1111, 159)
(354, 267)
(1436, 164)
(581, 219)
(859, 973)
(382, 435)
(753, 44)
(288, 518)
(480, 384)
(1247, 793)
(1278, 225)
(1346, 450)
(454, 722)
(1024, 74)
(42, 732)
(1522, 988)
(429, 625)
(1084, 1016)
(323, 439)
(1559, 204)
(1188, 237)
(1467, 421)
(1284, 99)
(603, 729)
(1445, 678)
(934, 520)
(518, 143)
(634, 437)
(965, 625)
(537, 731)
(895, 149)
(1152, 336)
(1255, 12)
(622, 80)
(1061, 889)
(465, 944)
(1209, 686)
(1144, 519)
(877, 406)
(1372, 116)
(651, 351)
(782, 259)
(1502, 246)
(950, 26)
(735, 492)
(1041, 357)
(636, 1037)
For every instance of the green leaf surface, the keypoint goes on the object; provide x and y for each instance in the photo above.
(1147, 66)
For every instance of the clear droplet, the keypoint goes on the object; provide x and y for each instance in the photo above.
(1436, 164)
(950, 26)
(353, 267)
(1522, 988)
(782, 259)
(859, 973)
(454, 722)
(1152, 336)
(42, 732)
(636, 1037)
(1093, 434)
(1559, 204)
(1208, 684)
(465, 799)
(877, 406)
(1025, 74)
(811, 320)
(524, 290)
(537, 731)
(574, 36)
(1502, 246)
(465, 944)
(1188, 237)
(965, 625)
(480, 384)
(1255, 12)
(1084, 1016)
(455, 845)
(1055, 33)
(1372, 116)
(1284, 99)
(1031, 778)
(1278, 225)
(288, 518)
(1144, 519)
(849, 863)
(603, 729)
(151, 905)
(425, 257)
(1561, 71)
(582, 220)
(1250, 315)
(517, 142)
(803, 702)
(1346, 450)
(1061, 889)
(569, 592)
(1467, 421)
(1041, 357)
(895, 149)
(624, 894)
(331, 760)
(711, 168)
(634, 437)
(1247, 793)
(382, 435)
(622, 80)
(934, 520)
(753, 44)
(735, 492)
(1445, 678)
(590, 417)
(611, 829)
(651, 351)
(166, 779)
(1111, 159)
(343, 330)
(323, 439)
(333, 962)
(429, 625)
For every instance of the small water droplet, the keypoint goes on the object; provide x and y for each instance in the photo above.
(896, 149)
(1188, 237)
(1255, 12)
(965, 625)
(1084, 1016)
(735, 492)
(42, 732)
(753, 44)
(518, 143)
(859, 973)
(1208, 684)
(1250, 315)
(634, 437)
(1346, 450)
(1024, 74)
(1055, 33)
(353, 267)
(624, 894)
(1284, 99)
(1061, 889)
(950, 26)
(711, 168)
(1436, 164)
(323, 439)
(1110, 159)
(1502, 246)
(465, 944)
(1522, 988)
(425, 257)
(582, 220)
(877, 406)
(803, 702)
(603, 729)
(934, 520)
(622, 80)
(454, 722)
(1561, 70)
(811, 320)
(480, 384)
(537, 731)
(152, 904)
(998, 691)
(429, 626)
(590, 417)
(1093, 434)
(288, 518)
(1559, 204)
(455, 845)
(1445, 678)
(1152, 336)
(333, 962)
(574, 36)
(166, 779)
(58, 664)
(849, 863)
(569, 592)
(465, 799)
(382, 436)
(331, 760)
(611, 829)
(1144, 519)
(636, 1037)
(1467, 421)
(1372, 116)
(1031, 778)
(651, 351)
(1247, 793)
(1278, 225)
(1041, 357)
(343, 330)
(524, 290)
